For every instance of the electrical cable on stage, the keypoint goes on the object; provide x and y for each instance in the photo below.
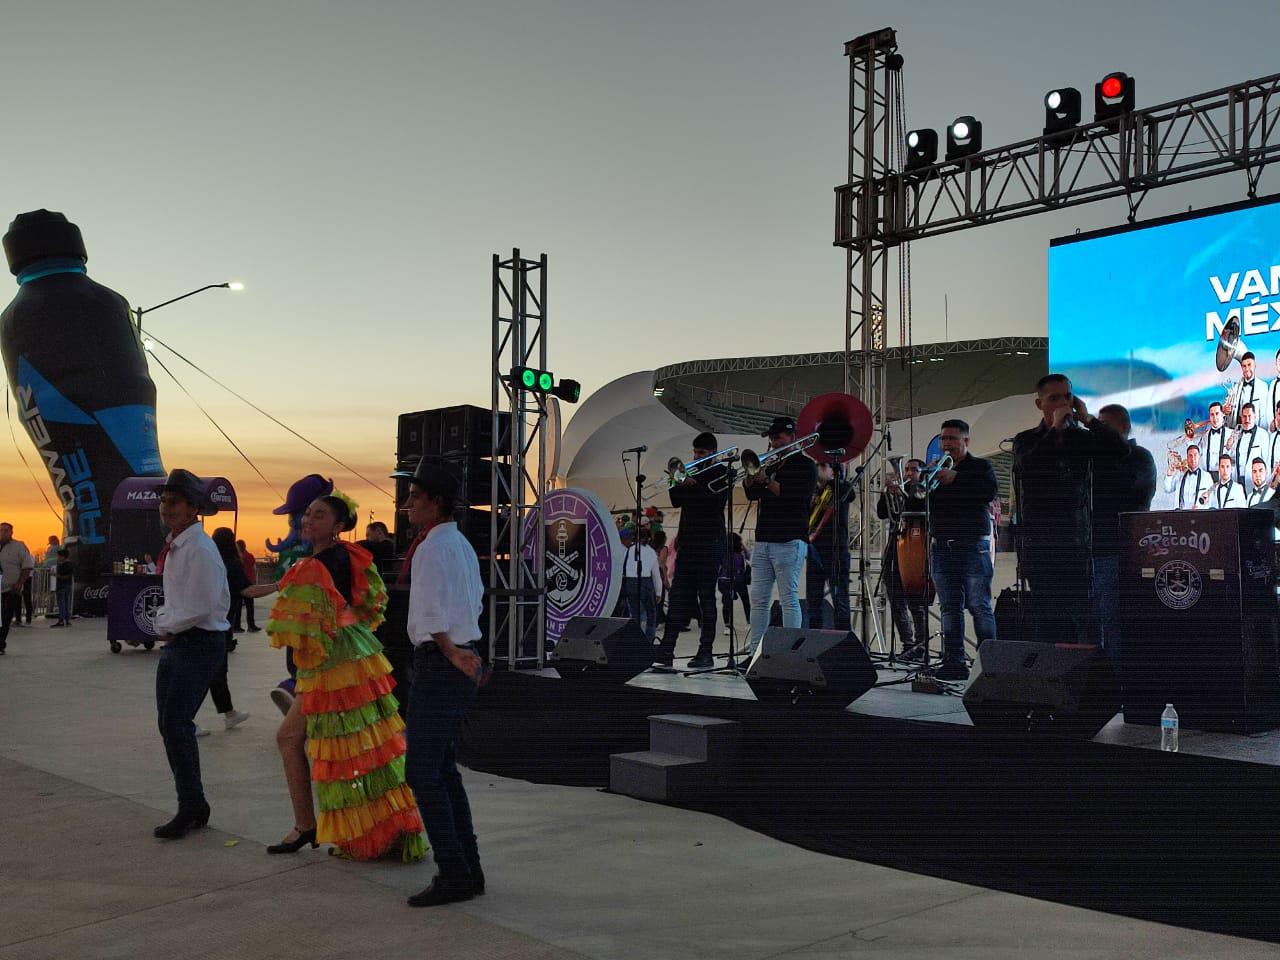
(209, 416)
(18, 447)
(275, 420)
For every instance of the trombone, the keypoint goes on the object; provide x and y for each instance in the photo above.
(753, 464)
(928, 481)
(678, 471)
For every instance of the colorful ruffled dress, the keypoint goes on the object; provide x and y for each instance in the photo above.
(354, 729)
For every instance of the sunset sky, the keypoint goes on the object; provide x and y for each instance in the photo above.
(356, 165)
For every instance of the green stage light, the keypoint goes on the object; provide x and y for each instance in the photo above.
(529, 378)
(545, 382)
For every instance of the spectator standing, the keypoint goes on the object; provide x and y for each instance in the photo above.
(16, 565)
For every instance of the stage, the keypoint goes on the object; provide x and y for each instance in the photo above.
(902, 780)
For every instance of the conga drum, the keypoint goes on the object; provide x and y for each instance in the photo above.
(913, 558)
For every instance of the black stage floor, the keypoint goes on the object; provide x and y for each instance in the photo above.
(1174, 838)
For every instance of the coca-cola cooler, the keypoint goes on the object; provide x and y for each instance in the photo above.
(1199, 619)
(136, 531)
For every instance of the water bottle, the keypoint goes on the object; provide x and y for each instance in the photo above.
(79, 375)
(1169, 729)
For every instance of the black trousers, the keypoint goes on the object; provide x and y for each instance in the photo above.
(242, 602)
(10, 607)
(693, 588)
(28, 599)
(1060, 608)
(727, 592)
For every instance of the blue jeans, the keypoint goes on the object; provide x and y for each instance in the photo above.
(187, 664)
(1106, 603)
(63, 593)
(962, 572)
(438, 702)
(645, 607)
(781, 563)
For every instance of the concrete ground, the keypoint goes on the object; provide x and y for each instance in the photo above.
(571, 872)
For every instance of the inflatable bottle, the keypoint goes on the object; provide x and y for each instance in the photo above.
(78, 372)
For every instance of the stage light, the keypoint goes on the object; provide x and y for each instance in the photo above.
(148, 344)
(568, 390)
(544, 381)
(922, 149)
(1061, 110)
(964, 137)
(1113, 96)
(235, 285)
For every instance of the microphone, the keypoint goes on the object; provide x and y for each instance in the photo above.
(640, 449)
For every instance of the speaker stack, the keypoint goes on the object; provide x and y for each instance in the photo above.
(601, 648)
(1055, 689)
(823, 668)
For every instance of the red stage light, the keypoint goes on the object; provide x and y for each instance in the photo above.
(1112, 87)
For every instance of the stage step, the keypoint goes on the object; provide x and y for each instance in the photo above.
(687, 756)
(650, 775)
(687, 735)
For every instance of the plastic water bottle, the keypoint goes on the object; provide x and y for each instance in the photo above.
(1169, 729)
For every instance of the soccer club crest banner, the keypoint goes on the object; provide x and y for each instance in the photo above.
(583, 556)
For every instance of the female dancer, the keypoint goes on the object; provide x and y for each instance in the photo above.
(344, 730)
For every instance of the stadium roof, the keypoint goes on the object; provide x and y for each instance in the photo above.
(741, 394)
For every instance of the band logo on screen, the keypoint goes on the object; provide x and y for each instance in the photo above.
(1179, 322)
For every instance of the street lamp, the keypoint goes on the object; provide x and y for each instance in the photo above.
(139, 311)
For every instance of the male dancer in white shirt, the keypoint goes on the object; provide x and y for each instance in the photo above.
(191, 625)
(1190, 484)
(445, 596)
(1228, 492)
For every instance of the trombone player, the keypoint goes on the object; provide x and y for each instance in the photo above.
(700, 497)
(784, 492)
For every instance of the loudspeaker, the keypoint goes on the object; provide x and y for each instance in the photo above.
(820, 667)
(1059, 689)
(418, 434)
(606, 648)
(476, 483)
(468, 431)
(1013, 613)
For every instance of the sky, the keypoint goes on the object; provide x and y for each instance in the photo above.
(357, 165)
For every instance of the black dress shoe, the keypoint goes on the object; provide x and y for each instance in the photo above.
(182, 824)
(441, 891)
(293, 846)
(702, 660)
(952, 671)
(477, 879)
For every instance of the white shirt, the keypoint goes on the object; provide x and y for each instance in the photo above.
(1273, 394)
(1188, 486)
(445, 592)
(1255, 392)
(648, 565)
(196, 595)
(1258, 496)
(1213, 444)
(1252, 443)
(14, 558)
(1226, 496)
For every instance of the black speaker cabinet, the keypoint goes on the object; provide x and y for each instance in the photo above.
(418, 434)
(603, 648)
(468, 431)
(828, 668)
(1059, 689)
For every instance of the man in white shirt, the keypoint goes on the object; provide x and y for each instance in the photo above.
(1250, 389)
(1228, 493)
(191, 625)
(1191, 484)
(16, 565)
(1250, 441)
(641, 594)
(1214, 442)
(445, 597)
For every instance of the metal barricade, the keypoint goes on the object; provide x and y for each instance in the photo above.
(43, 601)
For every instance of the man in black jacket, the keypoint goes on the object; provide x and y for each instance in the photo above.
(699, 554)
(784, 493)
(1120, 486)
(1055, 464)
(910, 617)
(960, 549)
(828, 560)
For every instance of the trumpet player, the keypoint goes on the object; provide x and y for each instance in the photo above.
(1189, 480)
(960, 554)
(1250, 441)
(701, 539)
(783, 493)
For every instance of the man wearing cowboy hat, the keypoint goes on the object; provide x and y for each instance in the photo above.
(445, 596)
(191, 625)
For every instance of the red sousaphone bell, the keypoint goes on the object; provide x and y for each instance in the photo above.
(842, 424)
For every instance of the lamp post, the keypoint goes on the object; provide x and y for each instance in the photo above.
(139, 311)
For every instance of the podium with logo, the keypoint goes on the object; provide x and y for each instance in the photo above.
(134, 598)
(1199, 619)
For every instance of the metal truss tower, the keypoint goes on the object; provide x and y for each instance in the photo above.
(517, 568)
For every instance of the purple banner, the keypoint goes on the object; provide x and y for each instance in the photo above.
(139, 493)
(131, 608)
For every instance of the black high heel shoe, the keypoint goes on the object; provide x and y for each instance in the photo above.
(293, 846)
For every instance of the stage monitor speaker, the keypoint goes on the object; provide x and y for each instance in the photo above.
(603, 648)
(1058, 689)
(797, 666)
(468, 431)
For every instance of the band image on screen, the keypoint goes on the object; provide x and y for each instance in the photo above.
(1179, 321)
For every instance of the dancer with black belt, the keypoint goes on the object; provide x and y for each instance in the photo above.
(698, 561)
(191, 625)
(445, 597)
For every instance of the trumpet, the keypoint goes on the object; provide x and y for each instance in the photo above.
(678, 471)
(754, 465)
(929, 481)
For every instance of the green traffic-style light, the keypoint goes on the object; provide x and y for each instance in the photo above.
(529, 378)
(545, 381)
